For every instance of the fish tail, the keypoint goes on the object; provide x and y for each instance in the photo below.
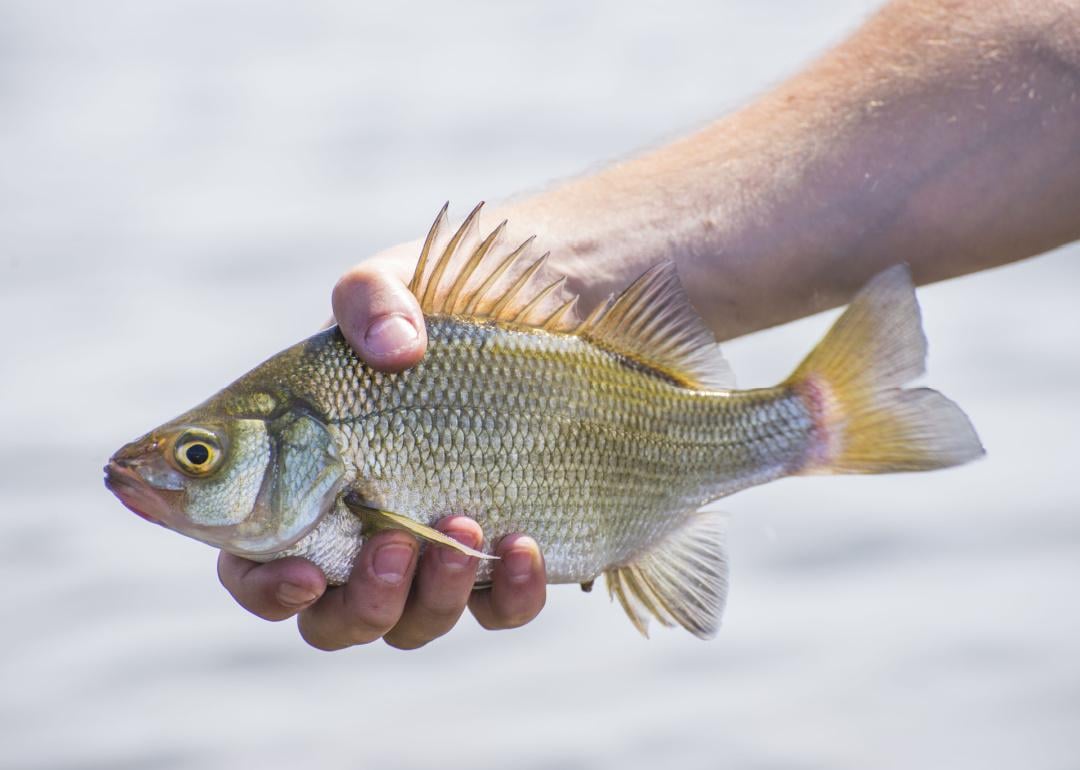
(864, 420)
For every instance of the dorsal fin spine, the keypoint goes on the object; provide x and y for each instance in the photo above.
(560, 312)
(421, 264)
(470, 267)
(523, 279)
(431, 292)
(587, 325)
(523, 315)
(473, 307)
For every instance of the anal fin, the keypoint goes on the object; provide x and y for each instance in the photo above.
(376, 519)
(681, 581)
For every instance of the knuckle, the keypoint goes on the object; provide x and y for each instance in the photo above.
(372, 620)
(359, 289)
(423, 622)
(364, 278)
(357, 276)
(439, 610)
(441, 617)
(428, 625)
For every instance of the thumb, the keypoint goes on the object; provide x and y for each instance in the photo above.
(380, 318)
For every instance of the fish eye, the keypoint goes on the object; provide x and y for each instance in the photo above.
(197, 453)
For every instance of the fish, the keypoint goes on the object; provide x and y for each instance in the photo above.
(604, 437)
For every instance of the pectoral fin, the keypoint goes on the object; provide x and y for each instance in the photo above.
(681, 580)
(376, 520)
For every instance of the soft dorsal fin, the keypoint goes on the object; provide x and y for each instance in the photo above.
(650, 323)
(653, 323)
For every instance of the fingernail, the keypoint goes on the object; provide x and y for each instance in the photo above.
(521, 561)
(456, 559)
(391, 562)
(390, 334)
(292, 595)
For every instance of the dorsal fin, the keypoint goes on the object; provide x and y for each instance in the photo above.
(483, 282)
(653, 323)
(650, 323)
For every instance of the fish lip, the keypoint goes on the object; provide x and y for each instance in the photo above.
(132, 490)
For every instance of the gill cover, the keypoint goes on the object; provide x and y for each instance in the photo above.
(299, 478)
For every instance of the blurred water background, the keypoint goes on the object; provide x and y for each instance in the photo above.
(182, 181)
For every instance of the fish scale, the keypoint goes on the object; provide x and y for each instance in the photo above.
(544, 434)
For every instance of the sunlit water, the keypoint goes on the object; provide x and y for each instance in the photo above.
(181, 184)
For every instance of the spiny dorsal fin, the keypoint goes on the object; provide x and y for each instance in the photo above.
(480, 282)
(682, 580)
(416, 284)
(651, 323)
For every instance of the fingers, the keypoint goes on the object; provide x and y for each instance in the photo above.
(274, 591)
(373, 600)
(377, 601)
(380, 317)
(518, 586)
(441, 589)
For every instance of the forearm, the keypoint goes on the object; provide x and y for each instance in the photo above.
(942, 135)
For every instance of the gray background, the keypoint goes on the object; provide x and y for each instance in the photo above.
(180, 185)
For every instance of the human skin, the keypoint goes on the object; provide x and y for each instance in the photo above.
(943, 134)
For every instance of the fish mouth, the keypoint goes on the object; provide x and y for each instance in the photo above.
(133, 491)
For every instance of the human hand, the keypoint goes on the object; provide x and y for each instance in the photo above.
(392, 594)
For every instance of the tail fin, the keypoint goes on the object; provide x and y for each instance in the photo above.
(865, 421)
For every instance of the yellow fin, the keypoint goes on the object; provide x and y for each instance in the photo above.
(483, 282)
(681, 581)
(866, 422)
(651, 323)
(376, 519)
(416, 284)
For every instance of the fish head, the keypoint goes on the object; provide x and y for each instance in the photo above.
(249, 481)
